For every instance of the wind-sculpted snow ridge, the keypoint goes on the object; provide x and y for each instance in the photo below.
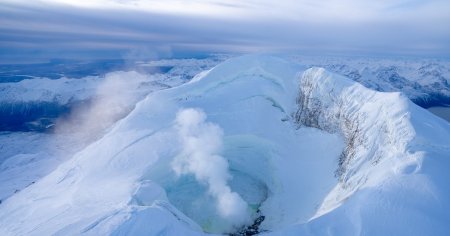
(425, 81)
(375, 125)
(389, 140)
(255, 145)
(367, 119)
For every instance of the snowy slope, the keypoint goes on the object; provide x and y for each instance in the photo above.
(312, 152)
(66, 114)
(34, 104)
(26, 157)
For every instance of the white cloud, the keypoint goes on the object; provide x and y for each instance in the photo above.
(202, 143)
(115, 96)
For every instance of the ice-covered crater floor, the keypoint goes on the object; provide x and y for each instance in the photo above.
(270, 162)
(314, 153)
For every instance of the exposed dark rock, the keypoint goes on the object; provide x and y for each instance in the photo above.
(252, 229)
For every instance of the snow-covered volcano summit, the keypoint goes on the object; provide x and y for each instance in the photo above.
(256, 144)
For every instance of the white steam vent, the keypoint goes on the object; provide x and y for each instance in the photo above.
(200, 156)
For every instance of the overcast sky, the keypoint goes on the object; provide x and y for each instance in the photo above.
(42, 29)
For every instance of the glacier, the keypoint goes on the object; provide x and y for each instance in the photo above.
(310, 151)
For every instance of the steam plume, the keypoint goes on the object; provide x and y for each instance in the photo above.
(202, 143)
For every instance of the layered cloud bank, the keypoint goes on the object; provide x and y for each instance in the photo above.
(93, 29)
